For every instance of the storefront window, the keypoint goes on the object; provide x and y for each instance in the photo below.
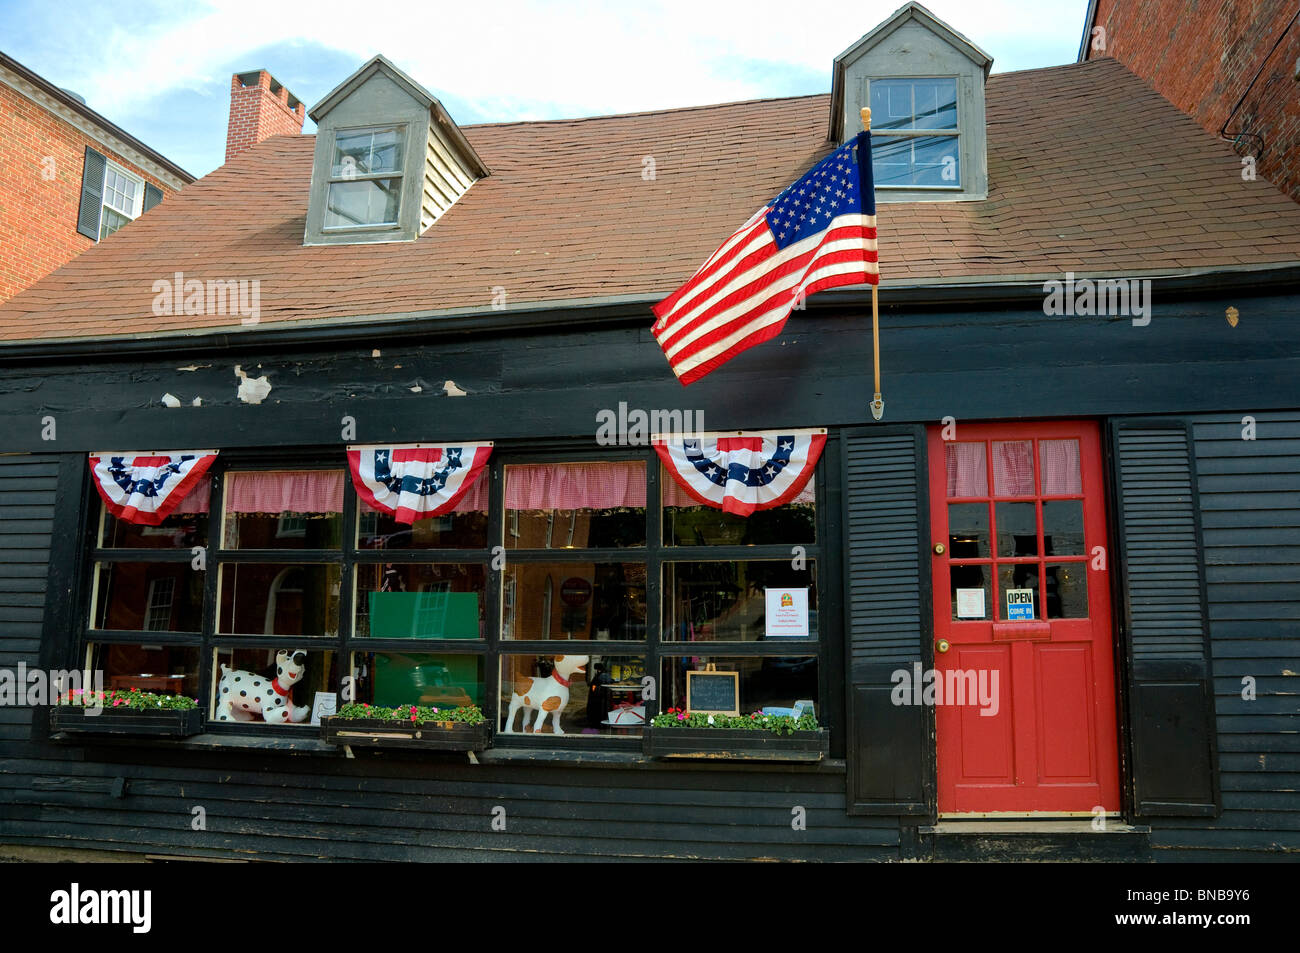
(572, 695)
(283, 509)
(420, 601)
(587, 563)
(577, 601)
(575, 505)
(163, 669)
(390, 679)
(729, 601)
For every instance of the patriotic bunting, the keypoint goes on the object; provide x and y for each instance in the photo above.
(147, 488)
(743, 473)
(416, 481)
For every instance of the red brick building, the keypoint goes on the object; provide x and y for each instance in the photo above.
(1232, 65)
(68, 177)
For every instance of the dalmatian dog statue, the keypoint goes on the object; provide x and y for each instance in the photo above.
(245, 695)
(549, 695)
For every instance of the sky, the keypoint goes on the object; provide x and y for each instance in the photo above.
(161, 70)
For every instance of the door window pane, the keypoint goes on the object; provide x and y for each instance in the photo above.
(397, 601)
(1019, 576)
(972, 597)
(1013, 467)
(968, 530)
(1060, 461)
(1067, 590)
(1017, 529)
(1063, 527)
(967, 469)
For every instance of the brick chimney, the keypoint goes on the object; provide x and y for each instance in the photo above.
(259, 108)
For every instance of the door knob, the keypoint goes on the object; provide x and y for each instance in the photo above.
(941, 646)
(939, 549)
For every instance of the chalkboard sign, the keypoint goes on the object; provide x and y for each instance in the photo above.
(713, 692)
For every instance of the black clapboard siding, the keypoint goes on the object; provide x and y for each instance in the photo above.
(27, 490)
(1252, 571)
(420, 811)
(1170, 700)
(887, 606)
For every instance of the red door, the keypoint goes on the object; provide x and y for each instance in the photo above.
(1024, 683)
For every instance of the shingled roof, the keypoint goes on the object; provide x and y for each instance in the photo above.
(1090, 171)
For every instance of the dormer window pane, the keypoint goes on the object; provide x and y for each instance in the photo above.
(915, 137)
(363, 202)
(916, 161)
(367, 152)
(365, 178)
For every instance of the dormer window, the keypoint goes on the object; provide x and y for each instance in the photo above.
(915, 138)
(389, 161)
(365, 188)
(924, 83)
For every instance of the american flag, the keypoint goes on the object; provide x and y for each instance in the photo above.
(819, 233)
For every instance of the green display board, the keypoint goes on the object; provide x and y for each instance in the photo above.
(440, 680)
(424, 615)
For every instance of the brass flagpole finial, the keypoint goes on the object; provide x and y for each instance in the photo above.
(866, 119)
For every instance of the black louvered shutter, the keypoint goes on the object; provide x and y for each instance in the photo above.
(1171, 693)
(152, 196)
(887, 604)
(92, 194)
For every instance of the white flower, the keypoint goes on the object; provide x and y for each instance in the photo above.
(710, 719)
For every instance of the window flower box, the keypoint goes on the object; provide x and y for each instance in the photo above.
(127, 713)
(408, 726)
(755, 737)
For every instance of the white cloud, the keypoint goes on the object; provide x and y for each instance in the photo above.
(531, 60)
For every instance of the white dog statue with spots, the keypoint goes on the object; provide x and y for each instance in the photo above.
(242, 696)
(548, 696)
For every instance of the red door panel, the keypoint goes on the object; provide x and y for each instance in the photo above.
(1022, 602)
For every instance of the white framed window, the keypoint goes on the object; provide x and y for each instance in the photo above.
(123, 199)
(915, 133)
(158, 614)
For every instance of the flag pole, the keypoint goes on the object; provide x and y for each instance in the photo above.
(878, 402)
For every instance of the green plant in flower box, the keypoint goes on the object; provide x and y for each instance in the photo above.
(134, 700)
(755, 721)
(413, 714)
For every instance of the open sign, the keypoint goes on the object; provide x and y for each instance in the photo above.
(1020, 604)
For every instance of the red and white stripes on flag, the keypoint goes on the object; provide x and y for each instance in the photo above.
(742, 473)
(819, 233)
(146, 488)
(416, 481)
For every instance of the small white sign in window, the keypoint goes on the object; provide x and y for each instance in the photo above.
(970, 603)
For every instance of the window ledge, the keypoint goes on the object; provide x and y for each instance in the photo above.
(209, 742)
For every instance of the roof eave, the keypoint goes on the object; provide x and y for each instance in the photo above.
(82, 109)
